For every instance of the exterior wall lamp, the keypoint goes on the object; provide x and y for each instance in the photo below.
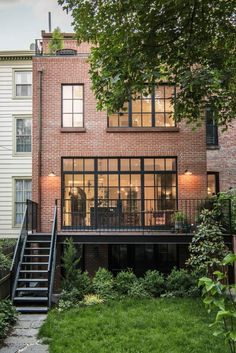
(187, 172)
(51, 174)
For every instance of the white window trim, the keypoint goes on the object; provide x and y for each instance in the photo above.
(14, 225)
(14, 96)
(15, 153)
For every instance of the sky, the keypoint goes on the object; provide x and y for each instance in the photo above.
(21, 21)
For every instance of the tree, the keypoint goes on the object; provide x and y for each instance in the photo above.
(137, 43)
(56, 43)
(207, 249)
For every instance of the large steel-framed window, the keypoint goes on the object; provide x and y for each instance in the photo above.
(72, 105)
(118, 192)
(153, 110)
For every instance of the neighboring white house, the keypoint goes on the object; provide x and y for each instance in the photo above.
(15, 138)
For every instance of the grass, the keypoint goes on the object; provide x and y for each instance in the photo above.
(133, 326)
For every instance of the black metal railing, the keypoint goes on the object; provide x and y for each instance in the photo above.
(52, 256)
(160, 214)
(68, 47)
(32, 216)
(18, 254)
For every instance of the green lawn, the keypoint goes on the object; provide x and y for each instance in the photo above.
(133, 326)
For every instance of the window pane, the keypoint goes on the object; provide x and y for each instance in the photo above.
(135, 180)
(125, 180)
(170, 164)
(170, 120)
(78, 92)
(135, 164)
(136, 120)
(124, 120)
(159, 106)
(159, 92)
(67, 92)
(146, 105)
(168, 105)
(78, 164)
(67, 106)
(23, 77)
(67, 120)
(160, 164)
(23, 90)
(169, 91)
(147, 120)
(159, 120)
(67, 164)
(102, 164)
(113, 180)
(149, 164)
(113, 164)
(89, 164)
(113, 120)
(136, 106)
(78, 120)
(78, 106)
(124, 164)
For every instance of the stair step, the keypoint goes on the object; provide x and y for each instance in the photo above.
(38, 241)
(32, 280)
(32, 309)
(41, 255)
(33, 271)
(24, 299)
(34, 263)
(32, 248)
(30, 289)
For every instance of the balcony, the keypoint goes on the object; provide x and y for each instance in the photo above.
(69, 47)
(146, 216)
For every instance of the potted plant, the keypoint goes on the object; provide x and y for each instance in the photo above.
(179, 219)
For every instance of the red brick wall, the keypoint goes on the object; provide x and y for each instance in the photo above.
(223, 160)
(189, 146)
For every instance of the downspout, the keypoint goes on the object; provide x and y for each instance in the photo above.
(40, 144)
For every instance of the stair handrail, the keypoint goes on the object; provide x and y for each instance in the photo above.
(52, 256)
(18, 253)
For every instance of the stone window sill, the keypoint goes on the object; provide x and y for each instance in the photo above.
(213, 147)
(73, 129)
(143, 129)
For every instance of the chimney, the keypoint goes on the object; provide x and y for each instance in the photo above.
(49, 23)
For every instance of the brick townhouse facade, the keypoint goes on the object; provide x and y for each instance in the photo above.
(120, 176)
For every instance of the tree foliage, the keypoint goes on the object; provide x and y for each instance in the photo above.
(136, 43)
(56, 43)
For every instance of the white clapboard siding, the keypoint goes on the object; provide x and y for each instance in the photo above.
(11, 166)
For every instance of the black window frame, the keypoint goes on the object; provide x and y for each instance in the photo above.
(153, 112)
(118, 172)
(211, 128)
(62, 100)
(217, 180)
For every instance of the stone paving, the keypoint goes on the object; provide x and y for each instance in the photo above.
(23, 338)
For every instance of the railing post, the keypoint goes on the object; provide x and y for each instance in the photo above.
(230, 216)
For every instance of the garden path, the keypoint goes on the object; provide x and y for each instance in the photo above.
(23, 338)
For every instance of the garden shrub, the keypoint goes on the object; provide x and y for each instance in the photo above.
(207, 248)
(70, 262)
(154, 283)
(92, 299)
(181, 283)
(124, 281)
(8, 316)
(103, 283)
(137, 290)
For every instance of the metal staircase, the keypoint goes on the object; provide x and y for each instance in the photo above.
(33, 265)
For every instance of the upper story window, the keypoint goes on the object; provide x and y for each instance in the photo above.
(23, 135)
(72, 105)
(23, 84)
(154, 110)
(211, 128)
